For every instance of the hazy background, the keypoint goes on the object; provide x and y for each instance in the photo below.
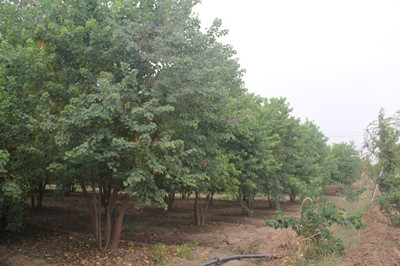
(337, 62)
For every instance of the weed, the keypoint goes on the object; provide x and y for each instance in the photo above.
(186, 250)
(314, 238)
(160, 253)
(253, 247)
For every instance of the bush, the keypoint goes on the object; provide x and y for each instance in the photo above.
(389, 201)
(350, 194)
(390, 206)
(314, 224)
(12, 207)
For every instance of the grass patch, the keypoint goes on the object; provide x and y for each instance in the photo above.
(163, 253)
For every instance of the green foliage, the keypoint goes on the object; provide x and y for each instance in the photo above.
(382, 144)
(348, 163)
(12, 207)
(350, 194)
(160, 253)
(390, 206)
(131, 97)
(315, 221)
(389, 201)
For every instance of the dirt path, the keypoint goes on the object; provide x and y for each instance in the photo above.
(379, 243)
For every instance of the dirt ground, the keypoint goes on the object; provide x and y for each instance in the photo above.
(379, 243)
(60, 234)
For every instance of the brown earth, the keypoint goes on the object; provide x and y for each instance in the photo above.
(60, 234)
(379, 243)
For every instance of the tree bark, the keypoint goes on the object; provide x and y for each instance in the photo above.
(37, 195)
(118, 224)
(292, 196)
(200, 210)
(169, 200)
(109, 210)
(107, 236)
(204, 210)
(197, 219)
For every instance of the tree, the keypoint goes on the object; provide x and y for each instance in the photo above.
(250, 148)
(134, 91)
(348, 163)
(198, 77)
(383, 151)
(286, 152)
(301, 153)
(381, 142)
(26, 120)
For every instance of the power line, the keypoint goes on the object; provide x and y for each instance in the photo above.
(345, 136)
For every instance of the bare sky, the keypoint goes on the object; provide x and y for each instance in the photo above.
(337, 62)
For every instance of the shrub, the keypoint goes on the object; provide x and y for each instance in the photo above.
(313, 226)
(12, 207)
(389, 201)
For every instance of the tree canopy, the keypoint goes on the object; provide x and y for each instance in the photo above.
(131, 99)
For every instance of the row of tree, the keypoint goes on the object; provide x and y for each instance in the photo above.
(132, 99)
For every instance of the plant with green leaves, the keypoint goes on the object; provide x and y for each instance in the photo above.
(314, 223)
(199, 79)
(250, 149)
(348, 162)
(383, 151)
(11, 198)
(287, 129)
(134, 92)
(26, 119)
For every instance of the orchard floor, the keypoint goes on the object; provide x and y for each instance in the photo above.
(60, 234)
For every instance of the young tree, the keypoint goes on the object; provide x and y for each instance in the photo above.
(381, 142)
(383, 150)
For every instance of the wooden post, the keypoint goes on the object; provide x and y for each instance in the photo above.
(376, 187)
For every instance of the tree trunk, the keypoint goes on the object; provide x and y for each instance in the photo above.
(118, 223)
(169, 200)
(247, 205)
(200, 211)
(109, 208)
(292, 196)
(204, 210)
(37, 195)
(107, 236)
(269, 201)
(197, 219)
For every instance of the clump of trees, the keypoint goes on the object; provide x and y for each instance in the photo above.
(130, 99)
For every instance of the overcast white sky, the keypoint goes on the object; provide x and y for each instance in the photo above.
(337, 62)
